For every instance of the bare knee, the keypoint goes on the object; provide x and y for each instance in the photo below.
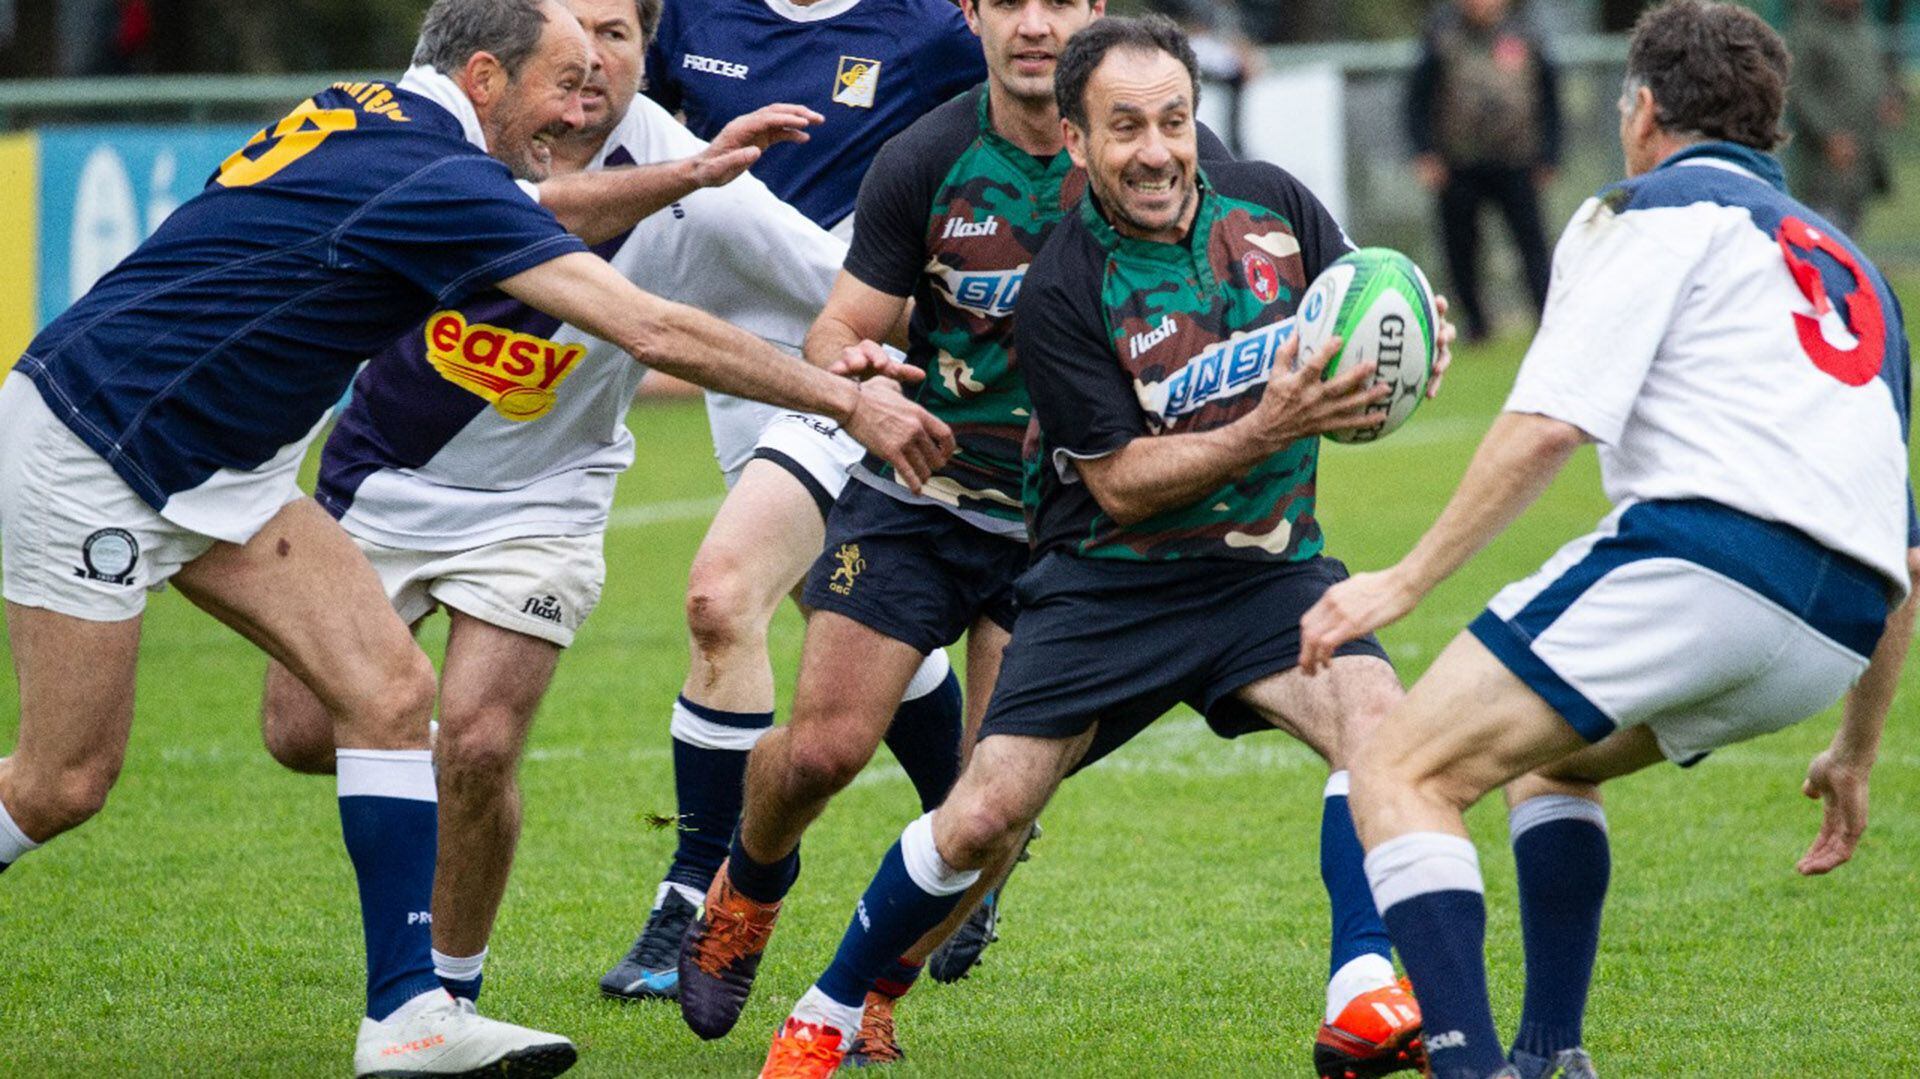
(724, 610)
(974, 833)
(823, 766)
(1382, 771)
(478, 753)
(393, 713)
(58, 801)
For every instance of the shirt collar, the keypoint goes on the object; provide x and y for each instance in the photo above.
(429, 83)
(1763, 166)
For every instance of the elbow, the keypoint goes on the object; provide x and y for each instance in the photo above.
(1125, 510)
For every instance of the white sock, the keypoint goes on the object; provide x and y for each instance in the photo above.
(1362, 974)
(13, 842)
(925, 866)
(933, 671)
(817, 1007)
(1420, 863)
(458, 968)
(687, 892)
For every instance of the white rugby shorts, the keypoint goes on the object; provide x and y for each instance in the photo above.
(1708, 626)
(813, 448)
(74, 538)
(542, 586)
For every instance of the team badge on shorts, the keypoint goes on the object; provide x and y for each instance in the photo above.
(1262, 276)
(854, 82)
(841, 583)
(109, 555)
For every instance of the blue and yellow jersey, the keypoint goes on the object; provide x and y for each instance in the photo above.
(226, 336)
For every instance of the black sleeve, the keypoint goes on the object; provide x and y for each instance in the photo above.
(889, 248)
(1081, 396)
(1551, 121)
(1423, 84)
(1212, 147)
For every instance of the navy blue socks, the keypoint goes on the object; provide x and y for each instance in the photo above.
(913, 891)
(925, 735)
(710, 750)
(1561, 856)
(390, 820)
(1428, 888)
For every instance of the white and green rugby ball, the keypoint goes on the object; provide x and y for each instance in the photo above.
(1380, 305)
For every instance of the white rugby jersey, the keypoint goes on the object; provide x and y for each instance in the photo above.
(493, 421)
(1721, 341)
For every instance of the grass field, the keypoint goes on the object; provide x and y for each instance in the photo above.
(1172, 921)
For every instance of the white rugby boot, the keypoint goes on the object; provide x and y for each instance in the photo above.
(438, 1034)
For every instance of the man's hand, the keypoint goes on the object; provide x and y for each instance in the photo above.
(740, 143)
(1299, 401)
(870, 359)
(1443, 339)
(1841, 787)
(906, 436)
(1349, 610)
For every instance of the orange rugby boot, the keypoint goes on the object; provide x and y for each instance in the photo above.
(720, 955)
(1378, 1033)
(805, 1050)
(877, 1043)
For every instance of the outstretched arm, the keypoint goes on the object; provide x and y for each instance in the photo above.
(1520, 456)
(1838, 776)
(582, 290)
(600, 205)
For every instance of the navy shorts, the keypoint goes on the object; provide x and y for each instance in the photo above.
(1121, 643)
(916, 573)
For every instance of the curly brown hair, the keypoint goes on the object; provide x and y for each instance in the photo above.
(1715, 69)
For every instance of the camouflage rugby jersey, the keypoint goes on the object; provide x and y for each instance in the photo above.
(951, 214)
(1123, 339)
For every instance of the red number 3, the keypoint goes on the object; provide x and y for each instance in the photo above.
(1854, 366)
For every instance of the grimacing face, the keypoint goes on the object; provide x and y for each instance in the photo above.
(619, 53)
(1023, 40)
(542, 102)
(1140, 149)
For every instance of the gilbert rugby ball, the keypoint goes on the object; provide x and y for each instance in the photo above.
(1380, 305)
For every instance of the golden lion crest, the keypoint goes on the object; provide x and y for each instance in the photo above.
(851, 564)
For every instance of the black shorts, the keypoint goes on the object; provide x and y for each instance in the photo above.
(918, 574)
(1120, 643)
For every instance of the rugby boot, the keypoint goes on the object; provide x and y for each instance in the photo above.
(436, 1034)
(804, 1050)
(961, 952)
(651, 969)
(1377, 1033)
(720, 955)
(876, 1043)
(1566, 1064)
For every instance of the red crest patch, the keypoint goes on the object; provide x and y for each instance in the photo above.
(1262, 277)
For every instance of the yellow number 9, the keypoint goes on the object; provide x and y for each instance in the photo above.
(297, 140)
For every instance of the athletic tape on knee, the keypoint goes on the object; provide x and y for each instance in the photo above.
(1546, 808)
(1421, 863)
(933, 671)
(702, 733)
(929, 871)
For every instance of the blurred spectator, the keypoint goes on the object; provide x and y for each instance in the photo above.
(1844, 98)
(1227, 59)
(1483, 115)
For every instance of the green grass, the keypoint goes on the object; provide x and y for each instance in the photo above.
(1172, 921)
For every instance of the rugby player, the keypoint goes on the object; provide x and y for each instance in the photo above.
(485, 489)
(1744, 371)
(1175, 504)
(871, 67)
(152, 433)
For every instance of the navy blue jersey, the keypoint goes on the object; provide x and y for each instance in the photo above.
(871, 67)
(228, 334)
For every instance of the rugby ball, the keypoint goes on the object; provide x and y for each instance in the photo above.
(1380, 305)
